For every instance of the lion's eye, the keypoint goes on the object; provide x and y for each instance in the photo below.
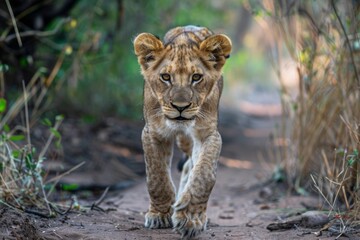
(165, 77)
(196, 77)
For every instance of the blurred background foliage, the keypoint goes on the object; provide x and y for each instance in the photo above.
(86, 54)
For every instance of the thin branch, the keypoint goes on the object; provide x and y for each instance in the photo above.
(347, 41)
(321, 193)
(33, 33)
(16, 107)
(45, 197)
(65, 173)
(2, 84)
(57, 178)
(305, 13)
(48, 142)
(14, 23)
(27, 115)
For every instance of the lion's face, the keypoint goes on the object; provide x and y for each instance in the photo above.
(181, 83)
(182, 74)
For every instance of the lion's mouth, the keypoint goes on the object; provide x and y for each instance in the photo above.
(180, 118)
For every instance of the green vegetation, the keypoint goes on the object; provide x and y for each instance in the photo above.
(99, 74)
(87, 57)
(21, 165)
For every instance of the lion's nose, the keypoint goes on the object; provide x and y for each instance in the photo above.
(180, 106)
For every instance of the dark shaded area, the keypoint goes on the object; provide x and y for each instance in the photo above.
(16, 225)
(18, 47)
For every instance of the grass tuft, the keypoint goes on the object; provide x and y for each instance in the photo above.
(322, 39)
(21, 165)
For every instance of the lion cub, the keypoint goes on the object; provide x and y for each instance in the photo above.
(183, 84)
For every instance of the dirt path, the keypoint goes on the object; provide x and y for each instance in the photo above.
(235, 212)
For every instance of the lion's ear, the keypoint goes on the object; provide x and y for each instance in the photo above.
(146, 46)
(218, 48)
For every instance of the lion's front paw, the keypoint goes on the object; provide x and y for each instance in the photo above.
(158, 220)
(189, 219)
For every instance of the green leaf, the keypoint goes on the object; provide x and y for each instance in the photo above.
(55, 132)
(58, 144)
(279, 174)
(15, 153)
(46, 122)
(6, 128)
(70, 187)
(4, 67)
(356, 45)
(295, 106)
(304, 56)
(302, 191)
(356, 153)
(340, 151)
(59, 118)
(29, 162)
(15, 138)
(3, 138)
(29, 157)
(23, 62)
(48, 186)
(353, 158)
(2, 105)
(88, 119)
(348, 22)
(43, 70)
(351, 161)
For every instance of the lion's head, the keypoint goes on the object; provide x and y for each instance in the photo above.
(183, 72)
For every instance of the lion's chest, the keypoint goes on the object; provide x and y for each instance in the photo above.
(176, 127)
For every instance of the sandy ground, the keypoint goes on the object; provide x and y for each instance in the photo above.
(236, 211)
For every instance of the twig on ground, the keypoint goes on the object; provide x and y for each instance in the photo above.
(10, 205)
(66, 211)
(100, 200)
(38, 213)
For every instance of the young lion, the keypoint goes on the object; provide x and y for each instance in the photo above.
(183, 84)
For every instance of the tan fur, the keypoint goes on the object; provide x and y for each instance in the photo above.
(179, 108)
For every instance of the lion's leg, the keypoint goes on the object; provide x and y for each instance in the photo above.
(158, 153)
(189, 216)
